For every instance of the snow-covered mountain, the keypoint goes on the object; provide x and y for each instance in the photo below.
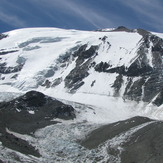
(107, 76)
(69, 64)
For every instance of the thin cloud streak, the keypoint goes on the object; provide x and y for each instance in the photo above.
(81, 14)
(147, 11)
(8, 16)
(12, 20)
(73, 8)
(6, 5)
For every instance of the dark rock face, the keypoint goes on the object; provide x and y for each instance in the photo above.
(136, 140)
(31, 99)
(118, 29)
(138, 70)
(134, 89)
(102, 67)
(7, 52)
(62, 62)
(42, 106)
(28, 113)
(12, 142)
(46, 83)
(143, 32)
(122, 28)
(153, 85)
(159, 100)
(84, 58)
(2, 36)
(74, 79)
(7, 70)
(117, 84)
(56, 82)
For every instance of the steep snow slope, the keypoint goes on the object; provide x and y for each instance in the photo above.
(39, 51)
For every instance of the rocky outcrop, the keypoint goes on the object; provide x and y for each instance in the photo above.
(133, 90)
(28, 113)
(17, 144)
(102, 67)
(4, 52)
(6, 70)
(159, 99)
(117, 85)
(41, 107)
(84, 58)
(151, 76)
(36, 109)
(2, 36)
(122, 28)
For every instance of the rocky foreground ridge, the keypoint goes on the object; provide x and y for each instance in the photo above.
(28, 113)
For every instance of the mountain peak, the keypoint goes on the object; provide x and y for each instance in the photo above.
(125, 29)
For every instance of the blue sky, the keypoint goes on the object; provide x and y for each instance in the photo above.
(81, 14)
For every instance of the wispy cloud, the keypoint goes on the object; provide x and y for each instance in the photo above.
(78, 9)
(8, 16)
(148, 11)
(145, 13)
(17, 15)
(88, 14)
(12, 20)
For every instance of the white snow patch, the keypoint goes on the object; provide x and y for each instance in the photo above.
(31, 112)
(158, 34)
